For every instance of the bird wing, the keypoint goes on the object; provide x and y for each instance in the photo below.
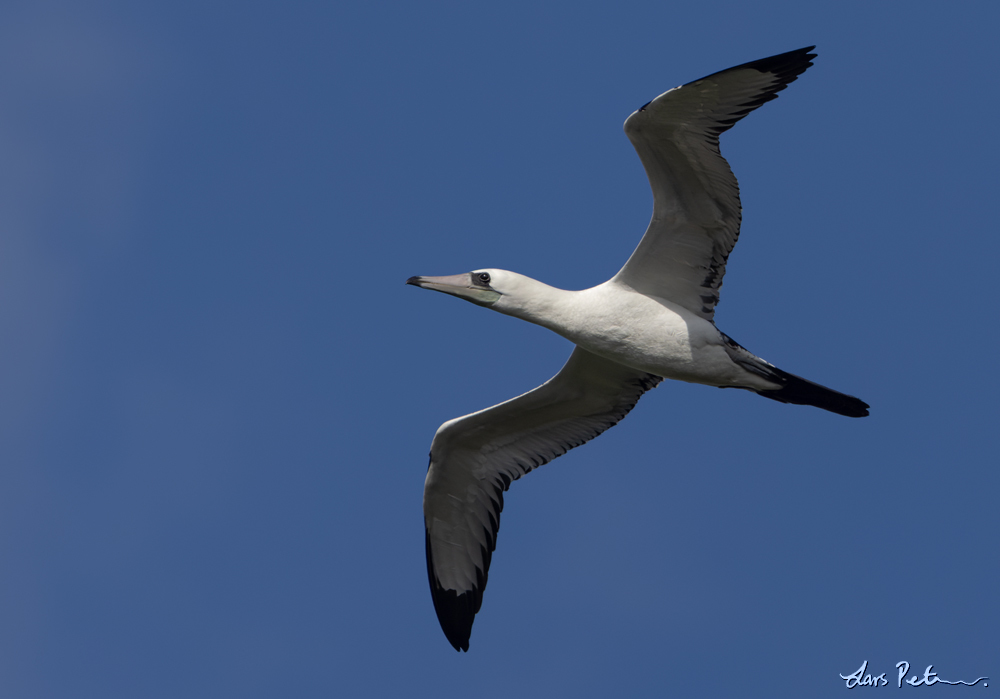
(696, 199)
(475, 458)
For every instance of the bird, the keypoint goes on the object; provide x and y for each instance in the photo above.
(654, 320)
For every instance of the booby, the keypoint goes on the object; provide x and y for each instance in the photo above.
(655, 319)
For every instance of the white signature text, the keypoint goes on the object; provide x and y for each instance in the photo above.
(862, 678)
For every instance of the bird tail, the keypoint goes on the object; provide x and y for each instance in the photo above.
(792, 388)
(797, 390)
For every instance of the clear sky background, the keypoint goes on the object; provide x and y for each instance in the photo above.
(217, 395)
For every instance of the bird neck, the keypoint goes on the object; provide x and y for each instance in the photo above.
(541, 304)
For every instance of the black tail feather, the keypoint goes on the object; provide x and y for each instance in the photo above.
(797, 390)
(794, 389)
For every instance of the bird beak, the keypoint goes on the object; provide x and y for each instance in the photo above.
(458, 285)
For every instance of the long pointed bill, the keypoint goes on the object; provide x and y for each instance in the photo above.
(460, 285)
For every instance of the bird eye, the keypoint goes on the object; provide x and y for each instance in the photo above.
(484, 277)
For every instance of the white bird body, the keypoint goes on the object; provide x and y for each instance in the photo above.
(655, 319)
(643, 332)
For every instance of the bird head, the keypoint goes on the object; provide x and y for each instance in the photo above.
(479, 287)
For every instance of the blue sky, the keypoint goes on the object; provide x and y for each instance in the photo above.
(217, 395)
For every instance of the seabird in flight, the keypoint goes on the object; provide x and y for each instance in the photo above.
(652, 320)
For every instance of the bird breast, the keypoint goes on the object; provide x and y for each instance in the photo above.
(648, 334)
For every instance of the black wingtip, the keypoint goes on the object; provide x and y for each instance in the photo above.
(456, 616)
(455, 612)
(787, 66)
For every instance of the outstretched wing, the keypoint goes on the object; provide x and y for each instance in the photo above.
(475, 458)
(696, 200)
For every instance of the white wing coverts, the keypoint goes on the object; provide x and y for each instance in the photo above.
(475, 458)
(696, 200)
